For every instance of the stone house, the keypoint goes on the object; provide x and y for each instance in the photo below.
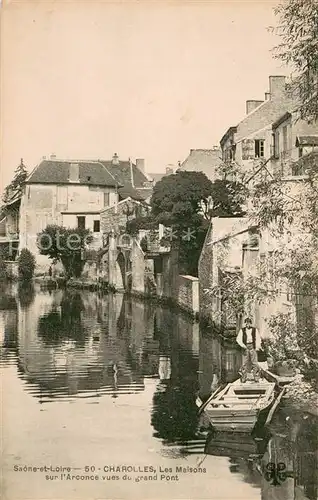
(237, 248)
(203, 160)
(270, 139)
(72, 194)
(250, 141)
(292, 139)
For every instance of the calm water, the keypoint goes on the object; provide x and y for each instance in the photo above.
(98, 382)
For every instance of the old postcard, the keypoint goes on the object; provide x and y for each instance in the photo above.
(158, 250)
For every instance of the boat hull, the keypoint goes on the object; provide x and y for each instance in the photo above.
(237, 408)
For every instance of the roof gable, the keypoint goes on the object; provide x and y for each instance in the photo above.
(58, 172)
(262, 116)
(202, 160)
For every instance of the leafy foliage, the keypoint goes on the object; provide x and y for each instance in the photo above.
(185, 202)
(178, 197)
(133, 226)
(298, 22)
(228, 198)
(63, 322)
(65, 245)
(26, 264)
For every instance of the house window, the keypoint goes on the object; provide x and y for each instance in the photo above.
(259, 148)
(106, 199)
(96, 226)
(81, 222)
(300, 151)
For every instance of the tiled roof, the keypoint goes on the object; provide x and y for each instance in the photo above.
(307, 140)
(91, 172)
(203, 160)
(157, 177)
(145, 193)
(263, 116)
(122, 172)
(57, 172)
(128, 191)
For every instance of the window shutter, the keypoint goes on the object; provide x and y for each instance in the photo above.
(248, 149)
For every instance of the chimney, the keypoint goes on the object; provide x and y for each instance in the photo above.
(251, 105)
(277, 85)
(115, 159)
(169, 170)
(131, 173)
(53, 156)
(267, 96)
(74, 172)
(140, 164)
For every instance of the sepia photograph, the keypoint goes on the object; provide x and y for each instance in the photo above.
(159, 249)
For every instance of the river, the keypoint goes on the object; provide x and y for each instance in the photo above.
(99, 400)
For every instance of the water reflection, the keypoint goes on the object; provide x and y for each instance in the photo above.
(109, 350)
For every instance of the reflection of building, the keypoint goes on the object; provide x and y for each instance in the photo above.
(65, 351)
(219, 363)
(209, 363)
(8, 322)
(164, 368)
(231, 363)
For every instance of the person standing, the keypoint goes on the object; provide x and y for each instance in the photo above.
(249, 339)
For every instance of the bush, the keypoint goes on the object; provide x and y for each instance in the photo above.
(26, 264)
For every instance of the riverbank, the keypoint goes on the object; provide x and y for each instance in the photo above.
(105, 287)
(301, 395)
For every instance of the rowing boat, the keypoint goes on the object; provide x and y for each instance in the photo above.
(239, 405)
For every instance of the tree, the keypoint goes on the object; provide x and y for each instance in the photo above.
(228, 198)
(26, 264)
(16, 185)
(184, 203)
(298, 21)
(65, 245)
(176, 198)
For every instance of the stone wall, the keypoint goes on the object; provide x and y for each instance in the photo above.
(206, 276)
(137, 268)
(159, 283)
(188, 293)
(170, 274)
(115, 218)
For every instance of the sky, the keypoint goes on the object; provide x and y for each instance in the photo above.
(145, 79)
